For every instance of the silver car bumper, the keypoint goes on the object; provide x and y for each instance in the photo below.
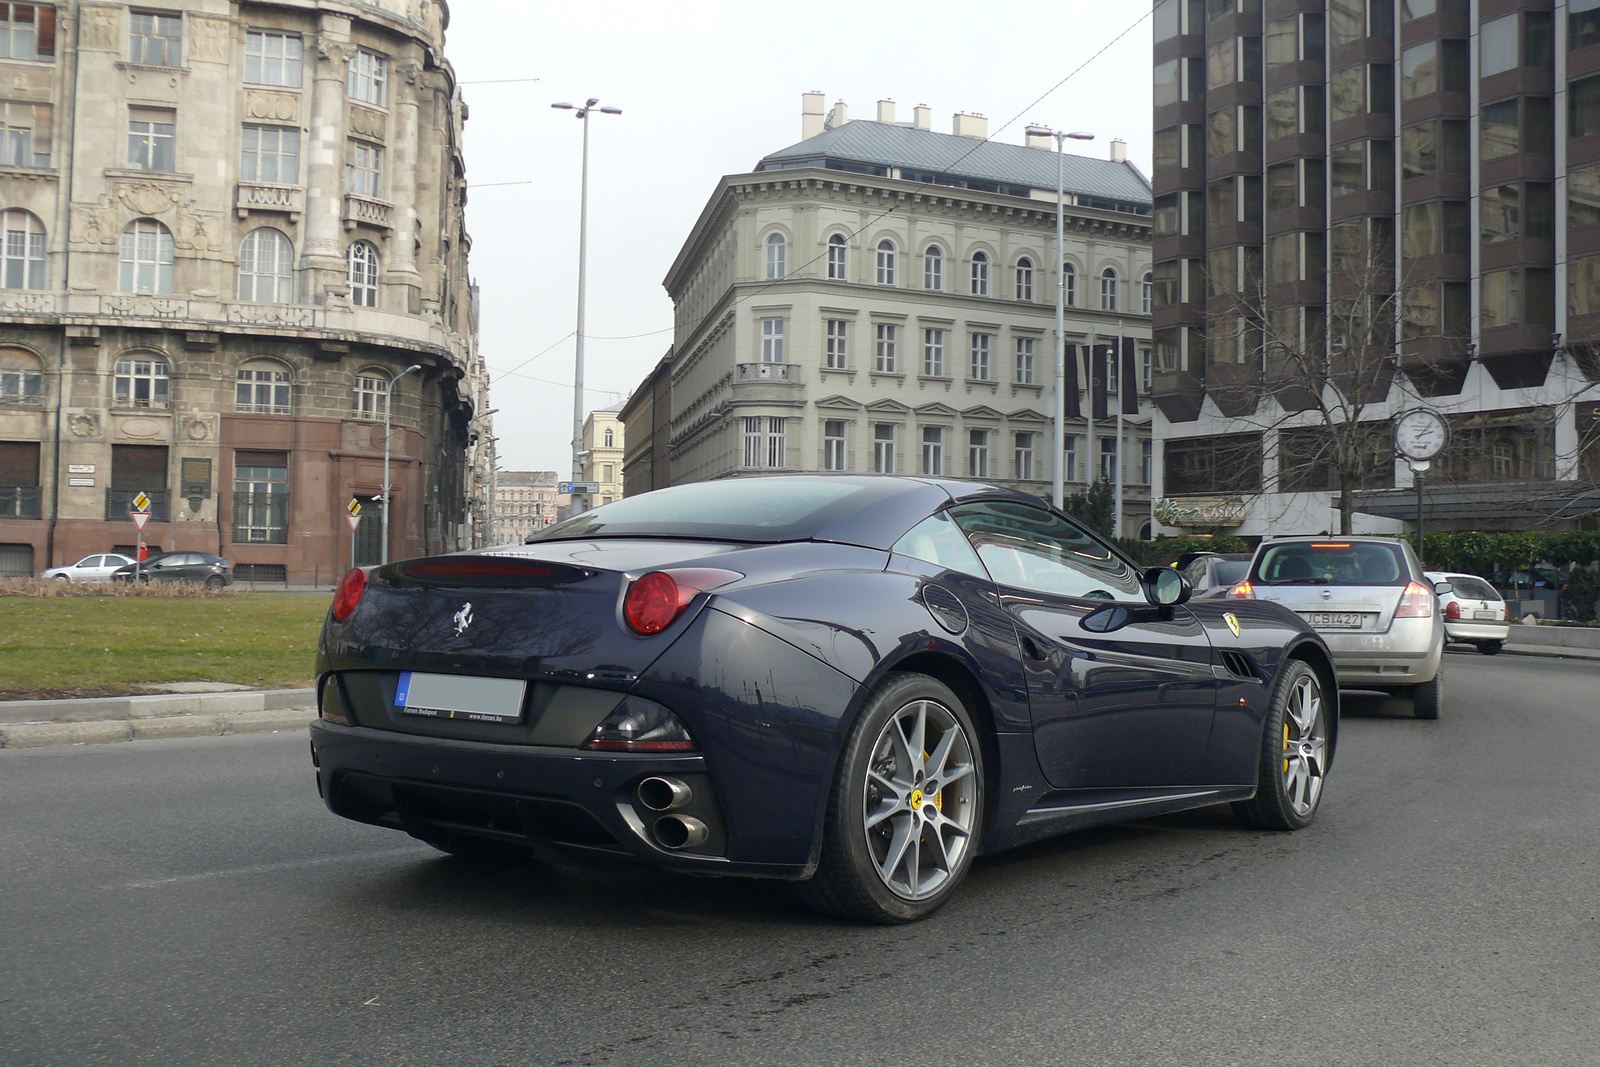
(1408, 654)
(1477, 631)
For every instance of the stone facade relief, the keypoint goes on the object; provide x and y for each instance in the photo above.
(85, 424)
(200, 231)
(366, 122)
(199, 427)
(145, 198)
(94, 223)
(274, 106)
(102, 28)
(209, 39)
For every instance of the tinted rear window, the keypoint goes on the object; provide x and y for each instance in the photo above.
(1228, 572)
(1331, 563)
(1472, 588)
(747, 509)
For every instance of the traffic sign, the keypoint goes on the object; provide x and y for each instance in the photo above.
(355, 520)
(581, 488)
(141, 502)
(354, 507)
(140, 518)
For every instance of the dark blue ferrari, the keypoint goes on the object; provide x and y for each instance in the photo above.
(854, 683)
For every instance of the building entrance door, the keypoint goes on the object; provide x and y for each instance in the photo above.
(369, 535)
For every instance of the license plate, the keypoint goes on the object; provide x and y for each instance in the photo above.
(455, 696)
(1335, 620)
(1487, 615)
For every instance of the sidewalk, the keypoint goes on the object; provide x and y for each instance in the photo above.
(36, 723)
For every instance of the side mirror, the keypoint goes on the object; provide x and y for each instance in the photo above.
(1442, 588)
(1165, 587)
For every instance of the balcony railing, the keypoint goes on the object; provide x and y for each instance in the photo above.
(264, 196)
(19, 501)
(119, 504)
(366, 209)
(766, 372)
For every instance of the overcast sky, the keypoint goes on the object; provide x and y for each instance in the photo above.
(707, 88)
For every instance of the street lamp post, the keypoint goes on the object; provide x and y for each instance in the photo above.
(388, 403)
(583, 251)
(1056, 491)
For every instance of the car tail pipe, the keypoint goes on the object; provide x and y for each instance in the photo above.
(663, 794)
(680, 831)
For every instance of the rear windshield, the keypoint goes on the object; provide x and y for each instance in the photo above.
(1331, 563)
(1230, 572)
(746, 509)
(1472, 588)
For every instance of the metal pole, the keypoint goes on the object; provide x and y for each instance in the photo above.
(1419, 476)
(388, 405)
(1056, 489)
(1093, 461)
(1116, 507)
(583, 270)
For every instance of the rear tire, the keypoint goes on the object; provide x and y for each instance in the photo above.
(894, 847)
(1295, 752)
(1490, 648)
(63, 578)
(214, 582)
(1427, 697)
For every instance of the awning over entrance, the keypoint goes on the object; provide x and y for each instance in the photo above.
(1487, 506)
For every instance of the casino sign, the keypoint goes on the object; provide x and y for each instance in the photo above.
(1200, 511)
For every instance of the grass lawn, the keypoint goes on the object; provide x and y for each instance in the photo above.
(103, 646)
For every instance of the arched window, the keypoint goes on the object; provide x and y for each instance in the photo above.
(1069, 284)
(610, 439)
(837, 264)
(370, 399)
(22, 266)
(980, 274)
(146, 258)
(142, 382)
(262, 388)
(886, 262)
(1145, 292)
(21, 377)
(1024, 279)
(362, 261)
(1108, 290)
(266, 267)
(933, 268)
(777, 256)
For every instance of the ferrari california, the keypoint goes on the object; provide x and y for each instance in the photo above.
(857, 684)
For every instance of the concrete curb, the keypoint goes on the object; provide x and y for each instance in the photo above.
(157, 705)
(104, 731)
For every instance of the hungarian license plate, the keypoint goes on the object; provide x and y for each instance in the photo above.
(455, 696)
(1490, 614)
(1335, 620)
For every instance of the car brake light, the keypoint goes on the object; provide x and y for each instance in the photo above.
(1415, 603)
(348, 595)
(1244, 590)
(655, 600)
(1452, 610)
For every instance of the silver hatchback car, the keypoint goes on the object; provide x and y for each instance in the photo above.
(1370, 601)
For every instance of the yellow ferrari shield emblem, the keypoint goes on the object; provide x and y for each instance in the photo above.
(1232, 620)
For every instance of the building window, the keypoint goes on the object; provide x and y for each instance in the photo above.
(610, 438)
(1024, 456)
(369, 76)
(1108, 290)
(27, 31)
(141, 382)
(266, 267)
(833, 445)
(1146, 292)
(978, 364)
(888, 338)
(933, 352)
(838, 264)
(1584, 107)
(933, 450)
(980, 274)
(362, 261)
(777, 257)
(838, 354)
(886, 262)
(1025, 368)
(933, 268)
(146, 258)
(764, 442)
(262, 389)
(978, 453)
(261, 497)
(152, 139)
(883, 447)
(1069, 284)
(772, 340)
(270, 154)
(364, 171)
(1108, 459)
(272, 58)
(21, 381)
(1146, 460)
(1146, 365)
(1113, 366)
(608, 471)
(1024, 279)
(370, 398)
(1069, 459)
(18, 135)
(22, 253)
(155, 40)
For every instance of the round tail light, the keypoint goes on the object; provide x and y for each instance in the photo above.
(652, 603)
(348, 595)
(1452, 610)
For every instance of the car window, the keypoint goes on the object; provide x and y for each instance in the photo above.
(1472, 588)
(1031, 548)
(89, 561)
(939, 541)
(1331, 563)
(1230, 571)
(1196, 573)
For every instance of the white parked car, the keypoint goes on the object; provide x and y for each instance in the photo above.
(89, 568)
(1474, 614)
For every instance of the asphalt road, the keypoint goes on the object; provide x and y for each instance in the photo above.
(191, 902)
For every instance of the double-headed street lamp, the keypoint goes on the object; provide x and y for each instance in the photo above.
(583, 242)
(388, 404)
(1056, 491)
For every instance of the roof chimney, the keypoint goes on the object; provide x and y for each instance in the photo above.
(965, 125)
(837, 117)
(922, 117)
(1039, 137)
(886, 111)
(810, 115)
(1119, 151)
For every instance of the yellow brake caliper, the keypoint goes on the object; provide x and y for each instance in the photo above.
(938, 798)
(1286, 747)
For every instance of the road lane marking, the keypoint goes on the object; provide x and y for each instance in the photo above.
(282, 865)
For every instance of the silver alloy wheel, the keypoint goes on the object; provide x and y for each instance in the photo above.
(1305, 746)
(919, 800)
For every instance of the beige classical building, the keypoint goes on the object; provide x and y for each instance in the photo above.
(525, 502)
(227, 228)
(603, 452)
(881, 298)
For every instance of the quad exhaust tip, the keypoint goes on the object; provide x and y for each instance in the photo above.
(664, 794)
(680, 831)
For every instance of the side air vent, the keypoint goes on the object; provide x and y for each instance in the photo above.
(1238, 664)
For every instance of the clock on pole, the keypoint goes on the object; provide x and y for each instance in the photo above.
(1419, 435)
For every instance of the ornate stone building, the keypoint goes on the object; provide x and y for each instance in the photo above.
(525, 502)
(227, 227)
(602, 455)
